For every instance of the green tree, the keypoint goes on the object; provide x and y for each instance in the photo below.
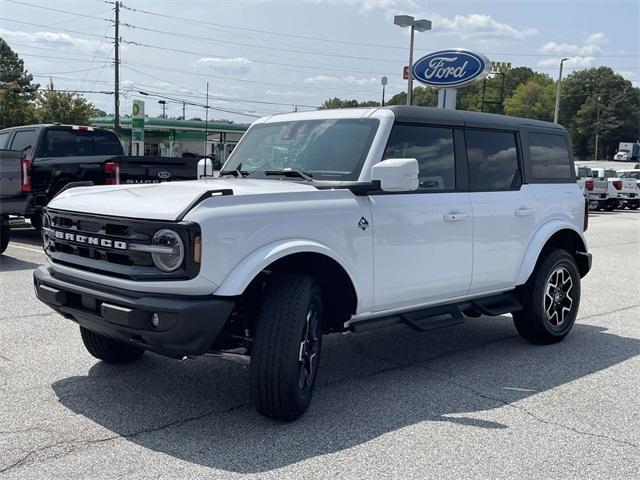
(616, 114)
(534, 99)
(63, 107)
(17, 90)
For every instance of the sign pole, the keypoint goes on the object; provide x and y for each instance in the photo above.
(447, 98)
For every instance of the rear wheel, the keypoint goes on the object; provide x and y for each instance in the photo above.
(550, 299)
(107, 349)
(36, 221)
(286, 347)
(5, 233)
(633, 205)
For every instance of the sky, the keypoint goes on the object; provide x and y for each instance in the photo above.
(269, 56)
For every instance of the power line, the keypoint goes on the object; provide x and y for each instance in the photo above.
(47, 26)
(56, 10)
(331, 40)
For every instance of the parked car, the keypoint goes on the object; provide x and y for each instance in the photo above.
(620, 191)
(326, 221)
(632, 203)
(13, 197)
(593, 189)
(55, 157)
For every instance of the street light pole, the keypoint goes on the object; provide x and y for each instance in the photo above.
(410, 79)
(164, 112)
(423, 25)
(597, 126)
(557, 111)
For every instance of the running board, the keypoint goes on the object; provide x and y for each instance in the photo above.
(442, 316)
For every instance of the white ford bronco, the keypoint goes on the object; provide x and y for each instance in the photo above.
(320, 222)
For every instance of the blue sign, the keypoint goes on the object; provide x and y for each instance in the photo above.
(451, 68)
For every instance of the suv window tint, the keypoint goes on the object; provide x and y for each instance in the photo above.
(64, 142)
(4, 140)
(549, 156)
(432, 147)
(23, 139)
(583, 172)
(493, 160)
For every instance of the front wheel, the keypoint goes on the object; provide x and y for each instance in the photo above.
(550, 299)
(286, 347)
(107, 349)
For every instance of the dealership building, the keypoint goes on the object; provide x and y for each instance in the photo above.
(175, 138)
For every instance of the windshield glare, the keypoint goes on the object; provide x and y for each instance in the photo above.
(332, 149)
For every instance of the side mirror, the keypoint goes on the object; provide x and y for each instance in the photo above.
(396, 174)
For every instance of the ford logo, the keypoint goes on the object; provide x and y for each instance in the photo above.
(451, 68)
(164, 174)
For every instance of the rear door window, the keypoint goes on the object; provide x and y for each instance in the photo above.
(24, 140)
(65, 142)
(432, 147)
(549, 156)
(493, 160)
(4, 140)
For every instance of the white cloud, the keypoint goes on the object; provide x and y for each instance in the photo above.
(350, 79)
(366, 6)
(229, 66)
(592, 45)
(582, 55)
(60, 40)
(482, 27)
(288, 93)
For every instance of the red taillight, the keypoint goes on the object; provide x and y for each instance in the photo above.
(588, 184)
(617, 184)
(26, 174)
(112, 171)
(585, 223)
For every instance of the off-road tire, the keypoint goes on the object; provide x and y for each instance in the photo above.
(532, 322)
(36, 221)
(107, 349)
(633, 206)
(279, 387)
(5, 234)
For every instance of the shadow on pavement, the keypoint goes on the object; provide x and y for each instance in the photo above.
(10, 264)
(26, 236)
(199, 410)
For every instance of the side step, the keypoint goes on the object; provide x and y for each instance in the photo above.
(444, 315)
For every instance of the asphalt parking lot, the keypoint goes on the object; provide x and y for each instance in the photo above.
(471, 401)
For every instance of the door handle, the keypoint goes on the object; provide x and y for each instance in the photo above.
(524, 212)
(456, 217)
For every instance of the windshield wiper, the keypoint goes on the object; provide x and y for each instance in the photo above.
(291, 172)
(236, 173)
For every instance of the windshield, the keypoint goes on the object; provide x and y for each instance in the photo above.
(65, 142)
(610, 174)
(584, 172)
(635, 175)
(333, 149)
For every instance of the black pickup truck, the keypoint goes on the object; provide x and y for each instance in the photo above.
(38, 161)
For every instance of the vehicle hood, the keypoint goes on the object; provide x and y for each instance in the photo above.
(161, 201)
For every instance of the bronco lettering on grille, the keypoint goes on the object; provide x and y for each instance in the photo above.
(96, 241)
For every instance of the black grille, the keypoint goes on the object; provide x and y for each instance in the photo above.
(61, 230)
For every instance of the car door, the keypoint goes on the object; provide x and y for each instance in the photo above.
(423, 239)
(503, 209)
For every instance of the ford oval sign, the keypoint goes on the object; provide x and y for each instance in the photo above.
(164, 174)
(451, 68)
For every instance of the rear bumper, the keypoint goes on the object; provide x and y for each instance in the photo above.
(18, 205)
(187, 325)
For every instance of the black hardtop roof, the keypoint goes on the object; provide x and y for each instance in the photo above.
(445, 116)
(45, 125)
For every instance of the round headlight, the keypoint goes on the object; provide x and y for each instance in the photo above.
(171, 241)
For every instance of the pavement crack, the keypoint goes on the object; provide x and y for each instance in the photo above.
(451, 379)
(72, 446)
(610, 312)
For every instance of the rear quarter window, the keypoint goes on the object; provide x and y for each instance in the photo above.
(549, 156)
(65, 142)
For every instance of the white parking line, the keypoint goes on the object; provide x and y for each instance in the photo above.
(37, 250)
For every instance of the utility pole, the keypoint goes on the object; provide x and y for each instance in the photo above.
(116, 81)
(597, 126)
(206, 123)
(184, 109)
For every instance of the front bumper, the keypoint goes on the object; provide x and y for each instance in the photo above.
(188, 325)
